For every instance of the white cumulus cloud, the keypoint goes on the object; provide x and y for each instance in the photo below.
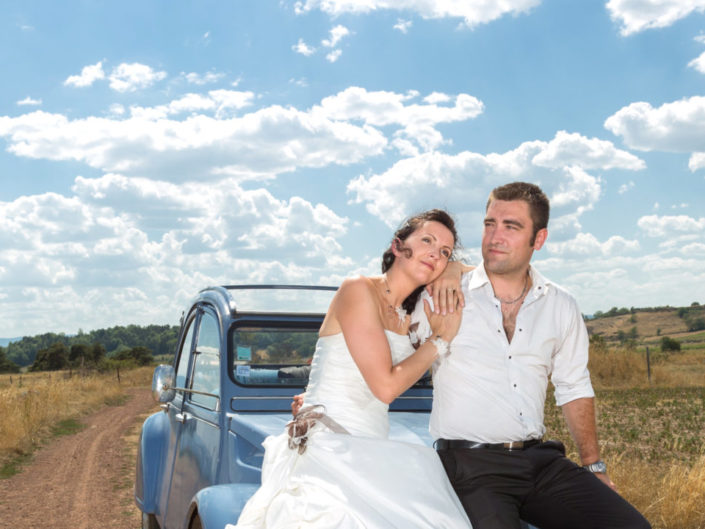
(416, 121)
(196, 137)
(587, 245)
(403, 25)
(203, 79)
(472, 13)
(88, 76)
(304, 49)
(333, 55)
(698, 63)
(28, 101)
(639, 15)
(147, 246)
(336, 35)
(410, 183)
(678, 126)
(667, 225)
(134, 76)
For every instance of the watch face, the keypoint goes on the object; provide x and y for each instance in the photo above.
(598, 466)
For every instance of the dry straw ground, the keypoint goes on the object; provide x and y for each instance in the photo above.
(652, 434)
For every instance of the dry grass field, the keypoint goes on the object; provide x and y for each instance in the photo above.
(652, 434)
(35, 406)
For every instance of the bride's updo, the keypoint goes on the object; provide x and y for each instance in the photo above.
(408, 227)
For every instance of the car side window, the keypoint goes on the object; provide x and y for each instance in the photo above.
(206, 369)
(182, 366)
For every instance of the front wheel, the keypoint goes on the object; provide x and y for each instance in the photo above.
(195, 522)
(149, 521)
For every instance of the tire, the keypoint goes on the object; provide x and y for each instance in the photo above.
(195, 522)
(149, 521)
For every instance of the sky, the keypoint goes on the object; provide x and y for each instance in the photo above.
(149, 149)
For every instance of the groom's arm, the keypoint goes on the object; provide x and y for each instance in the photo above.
(579, 415)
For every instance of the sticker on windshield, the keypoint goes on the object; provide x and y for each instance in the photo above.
(243, 371)
(244, 353)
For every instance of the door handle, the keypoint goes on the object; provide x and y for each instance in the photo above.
(182, 417)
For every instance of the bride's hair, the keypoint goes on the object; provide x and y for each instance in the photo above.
(408, 227)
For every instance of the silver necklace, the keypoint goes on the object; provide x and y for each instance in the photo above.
(401, 313)
(511, 302)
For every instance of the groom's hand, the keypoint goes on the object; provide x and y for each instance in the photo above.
(445, 290)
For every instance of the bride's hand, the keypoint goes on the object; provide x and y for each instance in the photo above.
(297, 403)
(444, 325)
(446, 291)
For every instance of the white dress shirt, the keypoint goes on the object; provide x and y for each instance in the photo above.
(490, 390)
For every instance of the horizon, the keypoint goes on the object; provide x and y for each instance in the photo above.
(283, 142)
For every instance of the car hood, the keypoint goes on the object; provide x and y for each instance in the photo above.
(409, 427)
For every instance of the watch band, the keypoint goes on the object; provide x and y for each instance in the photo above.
(598, 467)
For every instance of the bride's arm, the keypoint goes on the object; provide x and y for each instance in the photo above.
(357, 312)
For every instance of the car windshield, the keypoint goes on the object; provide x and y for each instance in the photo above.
(268, 355)
(275, 355)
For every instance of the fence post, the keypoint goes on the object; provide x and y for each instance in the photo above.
(648, 363)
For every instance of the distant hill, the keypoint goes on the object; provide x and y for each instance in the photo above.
(650, 323)
(4, 342)
(159, 339)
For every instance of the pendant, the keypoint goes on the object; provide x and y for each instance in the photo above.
(401, 313)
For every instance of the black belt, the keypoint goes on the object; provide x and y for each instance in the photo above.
(445, 444)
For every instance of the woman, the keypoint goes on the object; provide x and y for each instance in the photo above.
(334, 466)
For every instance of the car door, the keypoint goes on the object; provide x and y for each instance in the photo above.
(198, 445)
(174, 411)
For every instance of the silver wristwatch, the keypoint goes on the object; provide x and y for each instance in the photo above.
(598, 467)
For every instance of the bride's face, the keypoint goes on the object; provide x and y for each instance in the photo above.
(428, 250)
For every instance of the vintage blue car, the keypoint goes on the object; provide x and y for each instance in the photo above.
(237, 366)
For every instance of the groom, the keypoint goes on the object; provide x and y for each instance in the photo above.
(518, 329)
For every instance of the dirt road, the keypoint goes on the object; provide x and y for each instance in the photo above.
(81, 481)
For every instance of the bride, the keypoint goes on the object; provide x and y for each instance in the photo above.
(334, 466)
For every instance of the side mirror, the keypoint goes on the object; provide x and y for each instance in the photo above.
(163, 384)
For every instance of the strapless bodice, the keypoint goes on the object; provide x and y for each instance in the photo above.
(336, 383)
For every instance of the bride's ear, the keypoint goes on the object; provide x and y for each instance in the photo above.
(396, 246)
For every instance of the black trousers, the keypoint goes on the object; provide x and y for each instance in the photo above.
(539, 485)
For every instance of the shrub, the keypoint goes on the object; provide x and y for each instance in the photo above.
(669, 344)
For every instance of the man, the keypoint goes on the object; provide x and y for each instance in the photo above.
(518, 329)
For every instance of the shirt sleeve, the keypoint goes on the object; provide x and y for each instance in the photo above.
(570, 374)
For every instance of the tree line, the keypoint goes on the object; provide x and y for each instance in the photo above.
(51, 351)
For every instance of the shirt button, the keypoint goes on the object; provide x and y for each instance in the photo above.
(521, 330)
(515, 385)
(510, 357)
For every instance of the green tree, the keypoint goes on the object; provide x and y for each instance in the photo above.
(670, 344)
(52, 359)
(7, 365)
(98, 352)
(80, 354)
(139, 355)
(696, 324)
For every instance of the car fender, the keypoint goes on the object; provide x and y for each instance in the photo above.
(151, 450)
(220, 505)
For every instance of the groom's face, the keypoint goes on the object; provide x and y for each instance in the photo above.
(507, 244)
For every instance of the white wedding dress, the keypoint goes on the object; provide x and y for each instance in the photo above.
(361, 480)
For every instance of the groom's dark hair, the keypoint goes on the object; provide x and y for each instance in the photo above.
(408, 227)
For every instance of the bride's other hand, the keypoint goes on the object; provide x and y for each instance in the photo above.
(297, 403)
(446, 325)
(446, 291)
